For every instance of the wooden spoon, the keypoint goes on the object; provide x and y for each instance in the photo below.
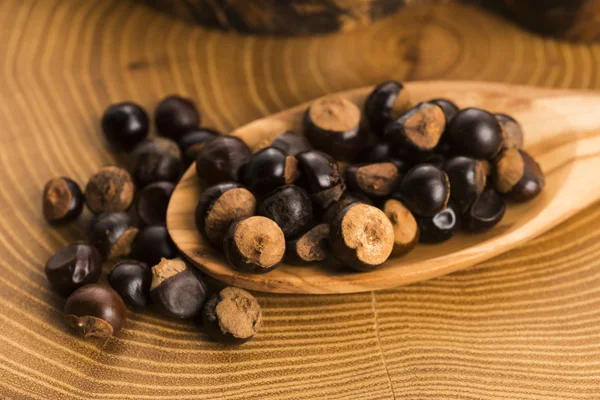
(562, 131)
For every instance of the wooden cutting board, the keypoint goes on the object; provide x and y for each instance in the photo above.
(522, 326)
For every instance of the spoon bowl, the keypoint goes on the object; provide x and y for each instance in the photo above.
(562, 131)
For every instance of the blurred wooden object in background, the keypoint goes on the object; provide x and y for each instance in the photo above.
(577, 20)
(291, 17)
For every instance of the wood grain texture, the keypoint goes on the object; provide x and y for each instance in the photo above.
(563, 134)
(525, 325)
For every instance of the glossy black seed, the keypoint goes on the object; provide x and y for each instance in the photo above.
(153, 201)
(268, 169)
(425, 190)
(441, 227)
(467, 180)
(112, 234)
(192, 141)
(125, 125)
(386, 102)
(290, 207)
(475, 133)
(174, 115)
(153, 243)
(221, 160)
(485, 213)
(95, 310)
(132, 279)
(72, 267)
(178, 290)
(62, 201)
(320, 176)
(291, 143)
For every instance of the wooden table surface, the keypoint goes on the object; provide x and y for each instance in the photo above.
(522, 326)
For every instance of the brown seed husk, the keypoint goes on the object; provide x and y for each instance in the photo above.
(512, 133)
(486, 166)
(238, 313)
(509, 170)
(480, 176)
(401, 105)
(110, 189)
(425, 126)
(314, 244)
(122, 246)
(259, 241)
(290, 173)
(57, 199)
(327, 197)
(377, 179)
(406, 230)
(166, 269)
(89, 326)
(334, 113)
(368, 231)
(234, 204)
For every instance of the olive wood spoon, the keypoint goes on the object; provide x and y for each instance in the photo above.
(562, 131)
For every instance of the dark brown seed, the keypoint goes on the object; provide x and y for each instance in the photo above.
(361, 237)
(475, 133)
(221, 160)
(154, 167)
(254, 245)
(62, 201)
(153, 201)
(153, 243)
(485, 213)
(125, 125)
(269, 169)
(192, 141)
(320, 176)
(232, 316)
(95, 311)
(419, 130)
(177, 289)
(388, 101)
(344, 201)
(381, 152)
(113, 234)
(313, 246)
(291, 143)
(290, 207)
(425, 190)
(72, 267)
(174, 115)
(378, 180)
(157, 145)
(518, 175)
(441, 227)
(332, 124)
(511, 132)
(110, 189)
(132, 279)
(219, 206)
(450, 108)
(406, 230)
(467, 178)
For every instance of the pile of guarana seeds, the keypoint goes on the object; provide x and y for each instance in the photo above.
(129, 230)
(355, 189)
